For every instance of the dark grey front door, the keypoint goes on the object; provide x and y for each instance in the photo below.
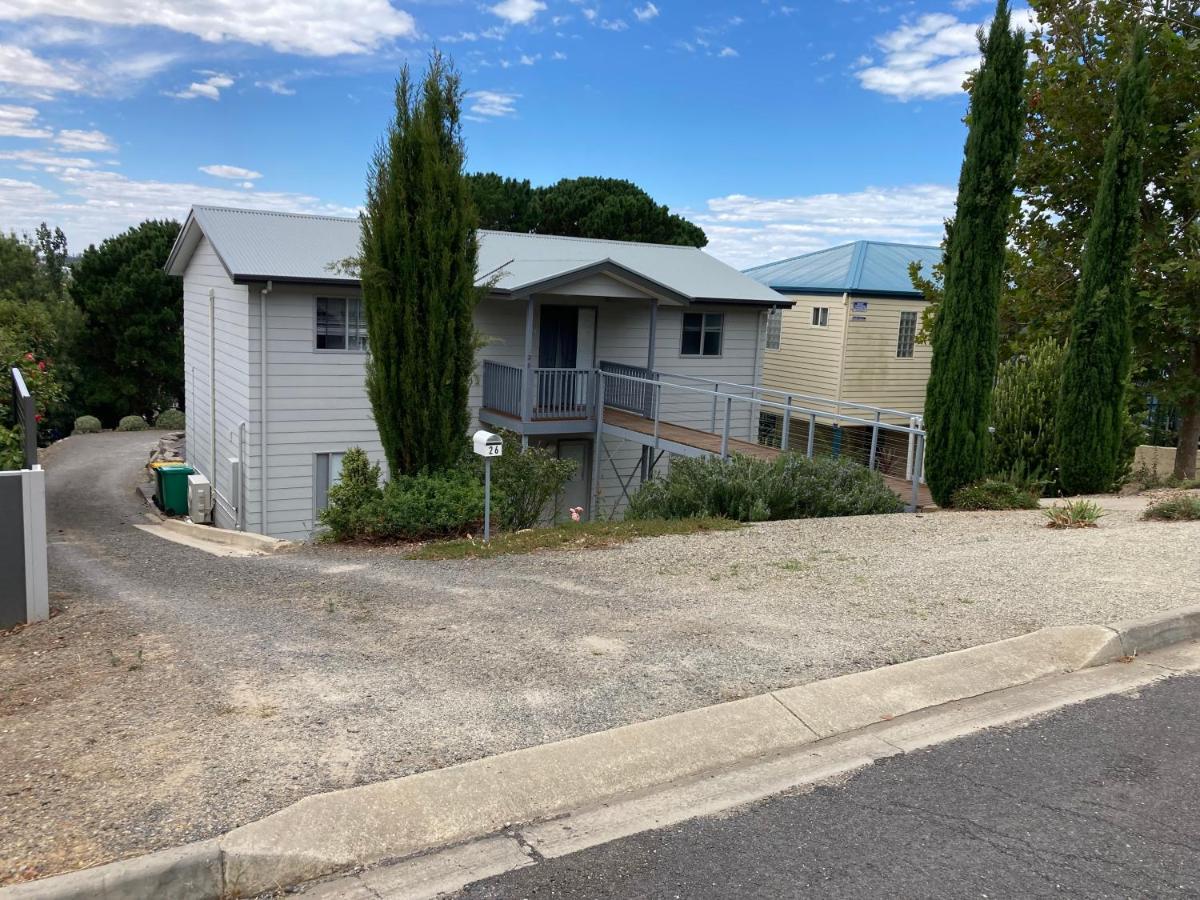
(558, 348)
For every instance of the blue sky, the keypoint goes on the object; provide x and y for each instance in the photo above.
(779, 127)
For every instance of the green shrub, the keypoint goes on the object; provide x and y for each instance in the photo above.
(12, 453)
(525, 483)
(1074, 514)
(995, 493)
(753, 490)
(87, 425)
(1024, 404)
(171, 419)
(350, 498)
(1180, 508)
(132, 423)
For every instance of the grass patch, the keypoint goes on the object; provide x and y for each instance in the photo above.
(1074, 514)
(571, 536)
(1184, 508)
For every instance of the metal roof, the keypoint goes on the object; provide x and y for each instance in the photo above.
(257, 245)
(863, 267)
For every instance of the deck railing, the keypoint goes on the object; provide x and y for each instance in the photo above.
(563, 394)
(502, 387)
(631, 396)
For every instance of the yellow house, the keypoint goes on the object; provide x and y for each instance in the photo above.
(850, 341)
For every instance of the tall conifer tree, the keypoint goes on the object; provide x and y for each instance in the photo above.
(965, 332)
(1091, 415)
(417, 264)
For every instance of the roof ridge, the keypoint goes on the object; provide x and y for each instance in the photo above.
(571, 237)
(273, 212)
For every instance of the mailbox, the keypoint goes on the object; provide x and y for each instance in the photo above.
(488, 444)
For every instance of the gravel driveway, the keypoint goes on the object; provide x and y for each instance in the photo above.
(180, 694)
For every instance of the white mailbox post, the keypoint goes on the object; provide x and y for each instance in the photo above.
(488, 446)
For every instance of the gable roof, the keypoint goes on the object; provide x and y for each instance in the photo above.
(257, 245)
(862, 267)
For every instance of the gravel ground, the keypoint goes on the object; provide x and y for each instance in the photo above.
(181, 694)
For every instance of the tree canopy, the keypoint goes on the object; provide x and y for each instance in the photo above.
(130, 352)
(609, 208)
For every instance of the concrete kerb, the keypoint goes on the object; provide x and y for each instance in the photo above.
(333, 832)
(243, 540)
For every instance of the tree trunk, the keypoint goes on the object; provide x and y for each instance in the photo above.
(1189, 425)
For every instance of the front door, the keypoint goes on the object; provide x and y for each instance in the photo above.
(575, 492)
(558, 348)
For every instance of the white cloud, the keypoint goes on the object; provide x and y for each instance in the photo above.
(232, 173)
(92, 204)
(745, 231)
(517, 12)
(28, 73)
(210, 88)
(527, 60)
(276, 86)
(21, 121)
(590, 14)
(727, 52)
(329, 28)
(493, 104)
(646, 13)
(76, 141)
(614, 24)
(929, 57)
(41, 159)
(558, 54)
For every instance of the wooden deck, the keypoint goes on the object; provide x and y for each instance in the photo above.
(711, 443)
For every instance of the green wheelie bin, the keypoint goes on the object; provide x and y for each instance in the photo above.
(172, 492)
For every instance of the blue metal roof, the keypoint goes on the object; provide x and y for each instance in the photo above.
(863, 267)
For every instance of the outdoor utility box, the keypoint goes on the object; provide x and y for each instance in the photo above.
(172, 488)
(199, 499)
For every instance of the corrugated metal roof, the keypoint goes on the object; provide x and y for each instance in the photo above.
(257, 245)
(863, 267)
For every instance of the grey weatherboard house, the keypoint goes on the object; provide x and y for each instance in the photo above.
(275, 346)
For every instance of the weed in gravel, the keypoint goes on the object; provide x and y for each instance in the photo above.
(114, 660)
(1074, 514)
(136, 665)
(330, 606)
(1180, 508)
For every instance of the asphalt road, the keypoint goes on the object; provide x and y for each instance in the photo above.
(1099, 800)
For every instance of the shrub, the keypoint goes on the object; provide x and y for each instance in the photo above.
(1074, 514)
(525, 482)
(753, 490)
(132, 423)
(87, 425)
(995, 493)
(171, 419)
(12, 453)
(350, 498)
(1180, 508)
(1024, 404)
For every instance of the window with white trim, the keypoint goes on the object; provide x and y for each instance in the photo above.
(774, 328)
(907, 337)
(340, 324)
(702, 334)
(327, 471)
(820, 316)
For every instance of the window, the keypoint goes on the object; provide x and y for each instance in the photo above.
(340, 324)
(327, 471)
(820, 316)
(774, 328)
(908, 334)
(702, 334)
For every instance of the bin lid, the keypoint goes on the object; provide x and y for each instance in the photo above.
(177, 469)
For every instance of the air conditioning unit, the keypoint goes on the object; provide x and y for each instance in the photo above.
(199, 499)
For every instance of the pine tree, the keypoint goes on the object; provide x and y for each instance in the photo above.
(1091, 418)
(965, 332)
(417, 265)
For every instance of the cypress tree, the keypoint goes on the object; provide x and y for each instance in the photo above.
(1096, 372)
(417, 266)
(965, 333)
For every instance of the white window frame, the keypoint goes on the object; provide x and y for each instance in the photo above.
(820, 317)
(906, 335)
(327, 472)
(774, 338)
(710, 323)
(360, 331)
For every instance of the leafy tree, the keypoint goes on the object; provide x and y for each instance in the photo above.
(965, 334)
(130, 353)
(609, 208)
(1077, 53)
(503, 204)
(418, 257)
(1091, 415)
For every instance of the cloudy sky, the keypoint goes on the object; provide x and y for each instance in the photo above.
(779, 127)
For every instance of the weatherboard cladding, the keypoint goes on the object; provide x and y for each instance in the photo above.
(863, 267)
(256, 245)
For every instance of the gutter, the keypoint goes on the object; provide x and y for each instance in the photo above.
(262, 405)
